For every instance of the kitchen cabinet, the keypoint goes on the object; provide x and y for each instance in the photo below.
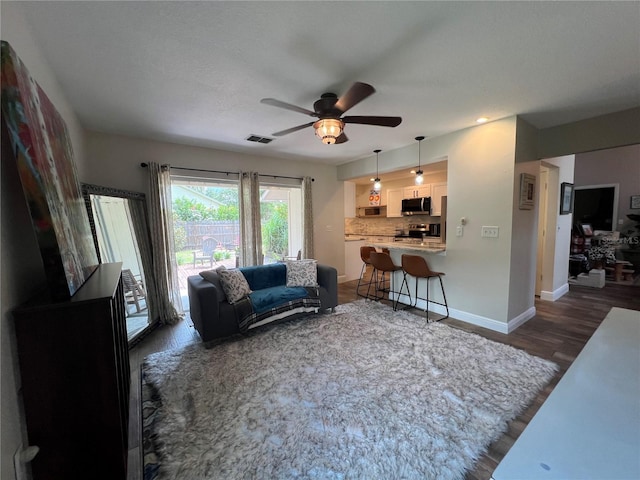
(349, 200)
(417, 191)
(394, 202)
(438, 190)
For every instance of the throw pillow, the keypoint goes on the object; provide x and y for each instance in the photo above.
(302, 273)
(234, 284)
(210, 276)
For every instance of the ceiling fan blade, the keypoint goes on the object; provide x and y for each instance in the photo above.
(342, 138)
(292, 129)
(368, 120)
(277, 103)
(358, 92)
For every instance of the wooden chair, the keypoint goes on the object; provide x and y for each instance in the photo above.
(297, 257)
(133, 290)
(209, 246)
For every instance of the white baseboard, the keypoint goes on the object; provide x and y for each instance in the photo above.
(342, 278)
(524, 317)
(478, 320)
(555, 295)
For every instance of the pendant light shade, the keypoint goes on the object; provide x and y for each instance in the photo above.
(328, 130)
(377, 184)
(419, 177)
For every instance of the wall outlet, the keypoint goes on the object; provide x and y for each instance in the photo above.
(459, 230)
(490, 232)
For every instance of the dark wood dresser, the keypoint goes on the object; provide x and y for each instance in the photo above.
(74, 366)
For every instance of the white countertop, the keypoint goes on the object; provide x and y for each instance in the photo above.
(589, 426)
(427, 247)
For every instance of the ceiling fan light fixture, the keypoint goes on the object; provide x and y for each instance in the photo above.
(328, 129)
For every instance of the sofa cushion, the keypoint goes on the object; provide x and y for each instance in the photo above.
(212, 276)
(234, 284)
(270, 297)
(302, 273)
(264, 276)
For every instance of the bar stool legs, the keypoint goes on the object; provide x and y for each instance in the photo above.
(417, 267)
(365, 252)
(384, 265)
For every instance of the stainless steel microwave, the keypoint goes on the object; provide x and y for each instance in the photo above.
(416, 206)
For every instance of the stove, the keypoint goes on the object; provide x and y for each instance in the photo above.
(420, 230)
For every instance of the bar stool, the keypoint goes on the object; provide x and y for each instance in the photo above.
(365, 252)
(383, 265)
(417, 267)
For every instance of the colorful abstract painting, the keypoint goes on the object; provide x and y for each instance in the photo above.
(43, 152)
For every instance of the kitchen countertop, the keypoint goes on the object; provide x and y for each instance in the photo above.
(427, 247)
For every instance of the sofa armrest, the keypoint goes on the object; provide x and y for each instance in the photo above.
(328, 281)
(203, 304)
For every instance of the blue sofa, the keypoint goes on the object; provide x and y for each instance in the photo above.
(271, 300)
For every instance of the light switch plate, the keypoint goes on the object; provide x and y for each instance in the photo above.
(490, 232)
(459, 230)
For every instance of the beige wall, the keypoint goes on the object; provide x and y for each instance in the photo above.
(606, 131)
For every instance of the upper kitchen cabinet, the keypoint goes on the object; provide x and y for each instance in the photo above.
(349, 200)
(438, 190)
(394, 201)
(417, 191)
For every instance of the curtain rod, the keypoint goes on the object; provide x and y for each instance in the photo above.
(144, 165)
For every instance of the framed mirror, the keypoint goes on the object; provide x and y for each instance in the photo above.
(118, 222)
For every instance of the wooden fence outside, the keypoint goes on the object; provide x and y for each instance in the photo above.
(227, 233)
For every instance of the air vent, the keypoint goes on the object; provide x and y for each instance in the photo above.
(259, 139)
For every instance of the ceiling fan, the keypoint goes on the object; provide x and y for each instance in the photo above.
(329, 110)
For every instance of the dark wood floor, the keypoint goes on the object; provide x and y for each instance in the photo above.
(558, 332)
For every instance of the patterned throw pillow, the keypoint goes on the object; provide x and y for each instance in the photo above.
(234, 284)
(302, 273)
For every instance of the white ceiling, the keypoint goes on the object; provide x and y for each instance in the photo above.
(194, 72)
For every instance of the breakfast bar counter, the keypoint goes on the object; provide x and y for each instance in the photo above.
(426, 247)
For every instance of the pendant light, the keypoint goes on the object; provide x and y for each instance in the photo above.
(419, 177)
(377, 184)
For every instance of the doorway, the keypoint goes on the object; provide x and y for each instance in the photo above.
(547, 226)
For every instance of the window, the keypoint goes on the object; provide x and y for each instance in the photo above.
(281, 218)
(206, 226)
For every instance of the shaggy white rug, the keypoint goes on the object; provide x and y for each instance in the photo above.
(365, 393)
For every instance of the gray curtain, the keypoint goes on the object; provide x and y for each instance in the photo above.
(141, 230)
(169, 306)
(250, 225)
(307, 218)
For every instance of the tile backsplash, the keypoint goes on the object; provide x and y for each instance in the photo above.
(383, 226)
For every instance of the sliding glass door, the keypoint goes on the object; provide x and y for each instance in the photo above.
(206, 222)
